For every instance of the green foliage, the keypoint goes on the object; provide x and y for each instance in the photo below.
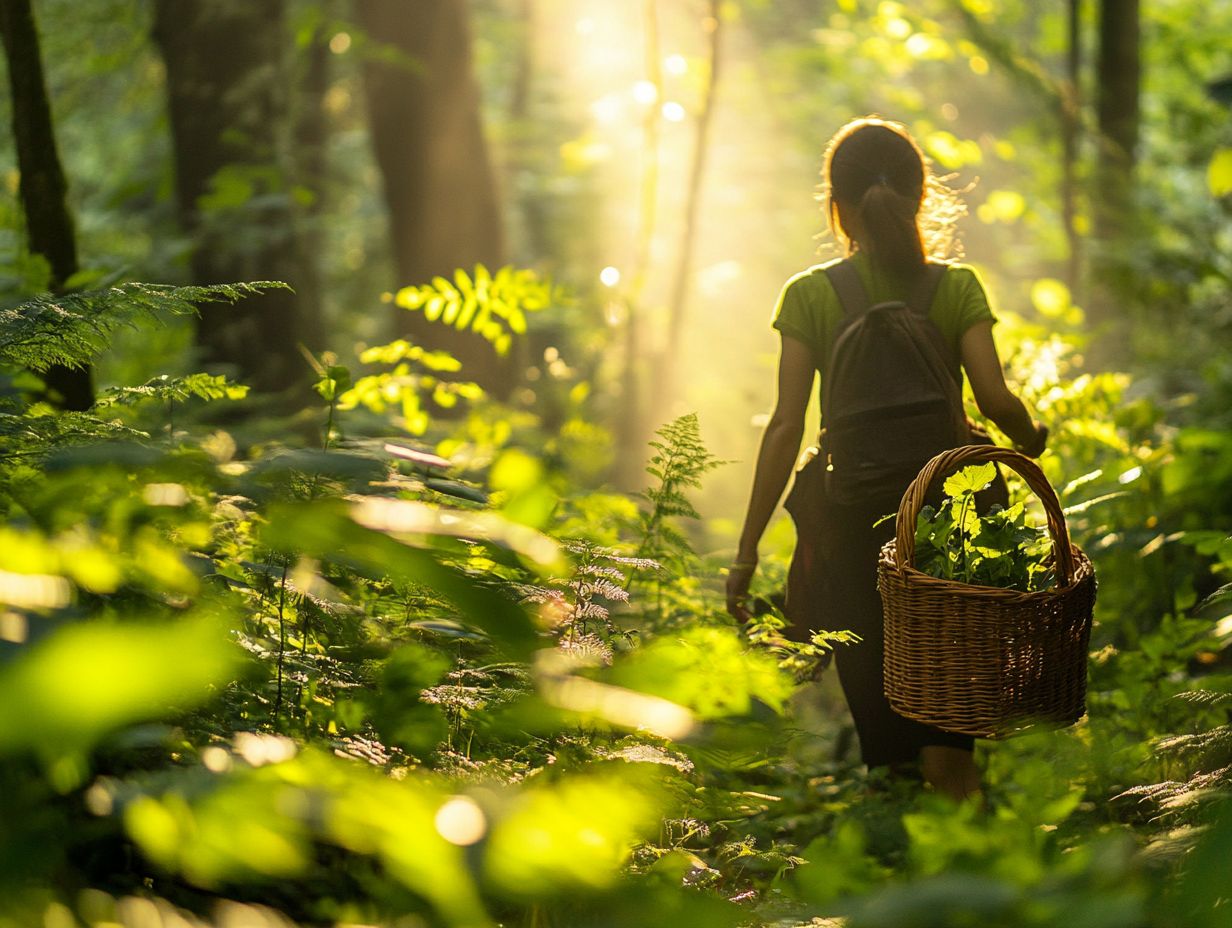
(174, 390)
(996, 549)
(406, 387)
(72, 328)
(678, 463)
(491, 305)
(377, 687)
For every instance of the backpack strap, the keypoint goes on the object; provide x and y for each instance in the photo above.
(926, 288)
(852, 296)
(845, 280)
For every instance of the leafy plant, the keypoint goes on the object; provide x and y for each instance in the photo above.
(491, 305)
(679, 462)
(412, 379)
(998, 549)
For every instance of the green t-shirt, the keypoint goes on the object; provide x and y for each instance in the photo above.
(809, 310)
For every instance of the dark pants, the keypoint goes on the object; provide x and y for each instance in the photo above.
(845, 590)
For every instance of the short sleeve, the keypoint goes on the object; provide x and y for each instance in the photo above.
(792, 316)
(971, 304)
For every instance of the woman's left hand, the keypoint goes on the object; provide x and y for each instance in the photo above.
(739, 575)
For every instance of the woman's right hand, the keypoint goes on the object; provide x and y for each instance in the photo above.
(1038, 443)
(739, 575)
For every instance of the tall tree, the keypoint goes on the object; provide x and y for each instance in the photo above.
(1071, 119)
(1118, 116)
(42, 186)
(229, 109)
(712, 25)
(427, 134)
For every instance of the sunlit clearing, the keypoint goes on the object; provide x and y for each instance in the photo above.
(407, 517)
(615, 313)
(645, 92)
(898, 28)
(165, 494)
(216, 759)
(673, 111)
(607, 109)
(417, 457)
(100, 798)
(340, 43)
(622, 707)
(1045, 367)
(13, 627)
(609, 276)
(34, 591)
(259, 750)
(460, 821)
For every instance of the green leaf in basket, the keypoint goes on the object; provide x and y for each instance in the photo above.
(970, 479)
(998, 548)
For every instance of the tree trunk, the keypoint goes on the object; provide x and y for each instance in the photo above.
(42, 187)
(310, 157)
(228, 106)
(635, 425)
(666, 368)
(1117, 114)
(1071, 116)
(427, 136)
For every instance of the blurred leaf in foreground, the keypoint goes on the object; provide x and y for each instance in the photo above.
(68, 691)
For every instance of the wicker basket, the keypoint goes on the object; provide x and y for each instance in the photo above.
(979, 660)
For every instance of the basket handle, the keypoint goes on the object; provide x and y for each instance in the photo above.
(949, 461)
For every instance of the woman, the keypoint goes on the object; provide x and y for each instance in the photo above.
(876, 181)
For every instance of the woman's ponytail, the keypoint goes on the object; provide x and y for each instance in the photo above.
(891, 235)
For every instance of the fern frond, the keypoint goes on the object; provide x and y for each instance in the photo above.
(1205, 742)
(175, 389)
(605, 588)
(34, 436)
(1173, 796)
(589, 610)
(73, 328)
(1205, 697)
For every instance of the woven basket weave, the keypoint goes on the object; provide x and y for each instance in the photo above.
(979, 660)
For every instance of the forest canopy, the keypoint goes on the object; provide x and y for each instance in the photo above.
(380, 386)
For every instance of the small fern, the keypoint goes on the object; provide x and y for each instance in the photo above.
(579, 606)
(679, 463)
(71, 329)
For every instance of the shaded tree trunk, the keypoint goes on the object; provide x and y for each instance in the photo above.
(1118, 117)
(427, 136)
(42, 187)
(310, 158)
(1071, 118)
(228, 107)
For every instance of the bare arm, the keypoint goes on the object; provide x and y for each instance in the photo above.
(779, 447)
(992, 396)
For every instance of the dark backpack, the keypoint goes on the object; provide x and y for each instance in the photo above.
(892, 397)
